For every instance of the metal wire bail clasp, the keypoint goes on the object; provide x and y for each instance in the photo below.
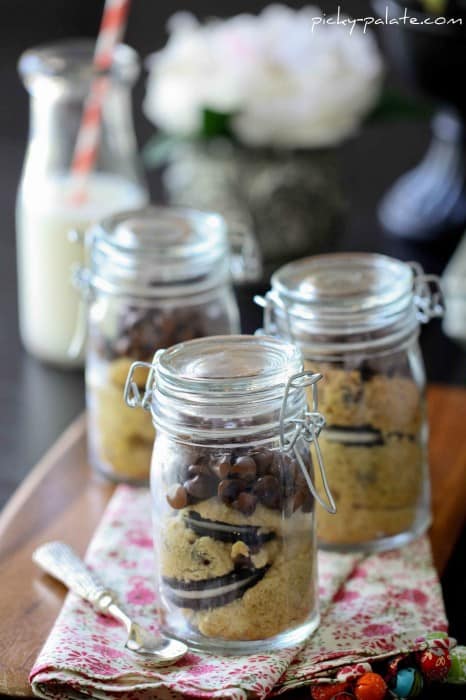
(246, 258)
(131, 392)
(307, 428)
(269, 303)
(428, 296)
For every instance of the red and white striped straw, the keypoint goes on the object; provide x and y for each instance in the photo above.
(85, 153)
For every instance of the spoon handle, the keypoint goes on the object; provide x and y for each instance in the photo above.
(61, 561)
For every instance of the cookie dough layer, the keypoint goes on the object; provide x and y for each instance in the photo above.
(388, 404)
(377, 486)
(124, 436)
(283, 597)
(377, 490)
(188, 557)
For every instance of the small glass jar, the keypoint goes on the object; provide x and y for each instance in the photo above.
(156, 277)
(231, 481)
(58, 77)
(356, 318)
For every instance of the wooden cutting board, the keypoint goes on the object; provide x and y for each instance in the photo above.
(62, 499)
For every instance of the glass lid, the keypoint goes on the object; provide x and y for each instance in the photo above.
(349, 302)
(344, 281)
(229, 364)
(159, 245)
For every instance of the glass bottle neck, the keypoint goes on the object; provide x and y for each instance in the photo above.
(55, 117)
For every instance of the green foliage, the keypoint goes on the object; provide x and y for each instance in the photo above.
(215, 124)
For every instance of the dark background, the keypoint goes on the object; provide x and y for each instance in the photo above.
(37, 402)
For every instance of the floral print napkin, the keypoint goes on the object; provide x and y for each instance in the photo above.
(372, 607)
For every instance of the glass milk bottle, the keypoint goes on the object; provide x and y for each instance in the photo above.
(50, 221)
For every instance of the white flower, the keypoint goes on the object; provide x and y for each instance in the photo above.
(286, 84)
(191, 73)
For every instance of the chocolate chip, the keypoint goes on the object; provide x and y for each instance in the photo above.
(303, 499)
(263, 460)
(289, 487)
(200, 487)
(279, 465)
(185, 456)
(300, 481)
(143, 330)
(308, 504)
(243, 562)
(177, 496)
(222, 468)
(275, 469)
(299, 499)
(229, 490)
(283, 468)
(244, 468)
(293, 468)
(267, 490)
(366, 372)
(199, 470)
(245, 503)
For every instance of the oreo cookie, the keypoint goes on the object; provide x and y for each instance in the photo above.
(354, 436)
(251, 535)
(214, 592)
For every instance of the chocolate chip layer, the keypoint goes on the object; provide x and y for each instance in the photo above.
(240, 480)
(142, 330)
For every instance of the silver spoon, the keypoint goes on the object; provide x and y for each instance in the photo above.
(61, 561)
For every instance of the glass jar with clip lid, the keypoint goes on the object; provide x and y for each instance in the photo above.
(232, 482)
(156, 276)
(356, 318)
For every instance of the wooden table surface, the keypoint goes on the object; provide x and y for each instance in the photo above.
(62, 499)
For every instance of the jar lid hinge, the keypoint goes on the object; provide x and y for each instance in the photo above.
(308, 428)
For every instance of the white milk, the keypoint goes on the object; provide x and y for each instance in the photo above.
(48, 302)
